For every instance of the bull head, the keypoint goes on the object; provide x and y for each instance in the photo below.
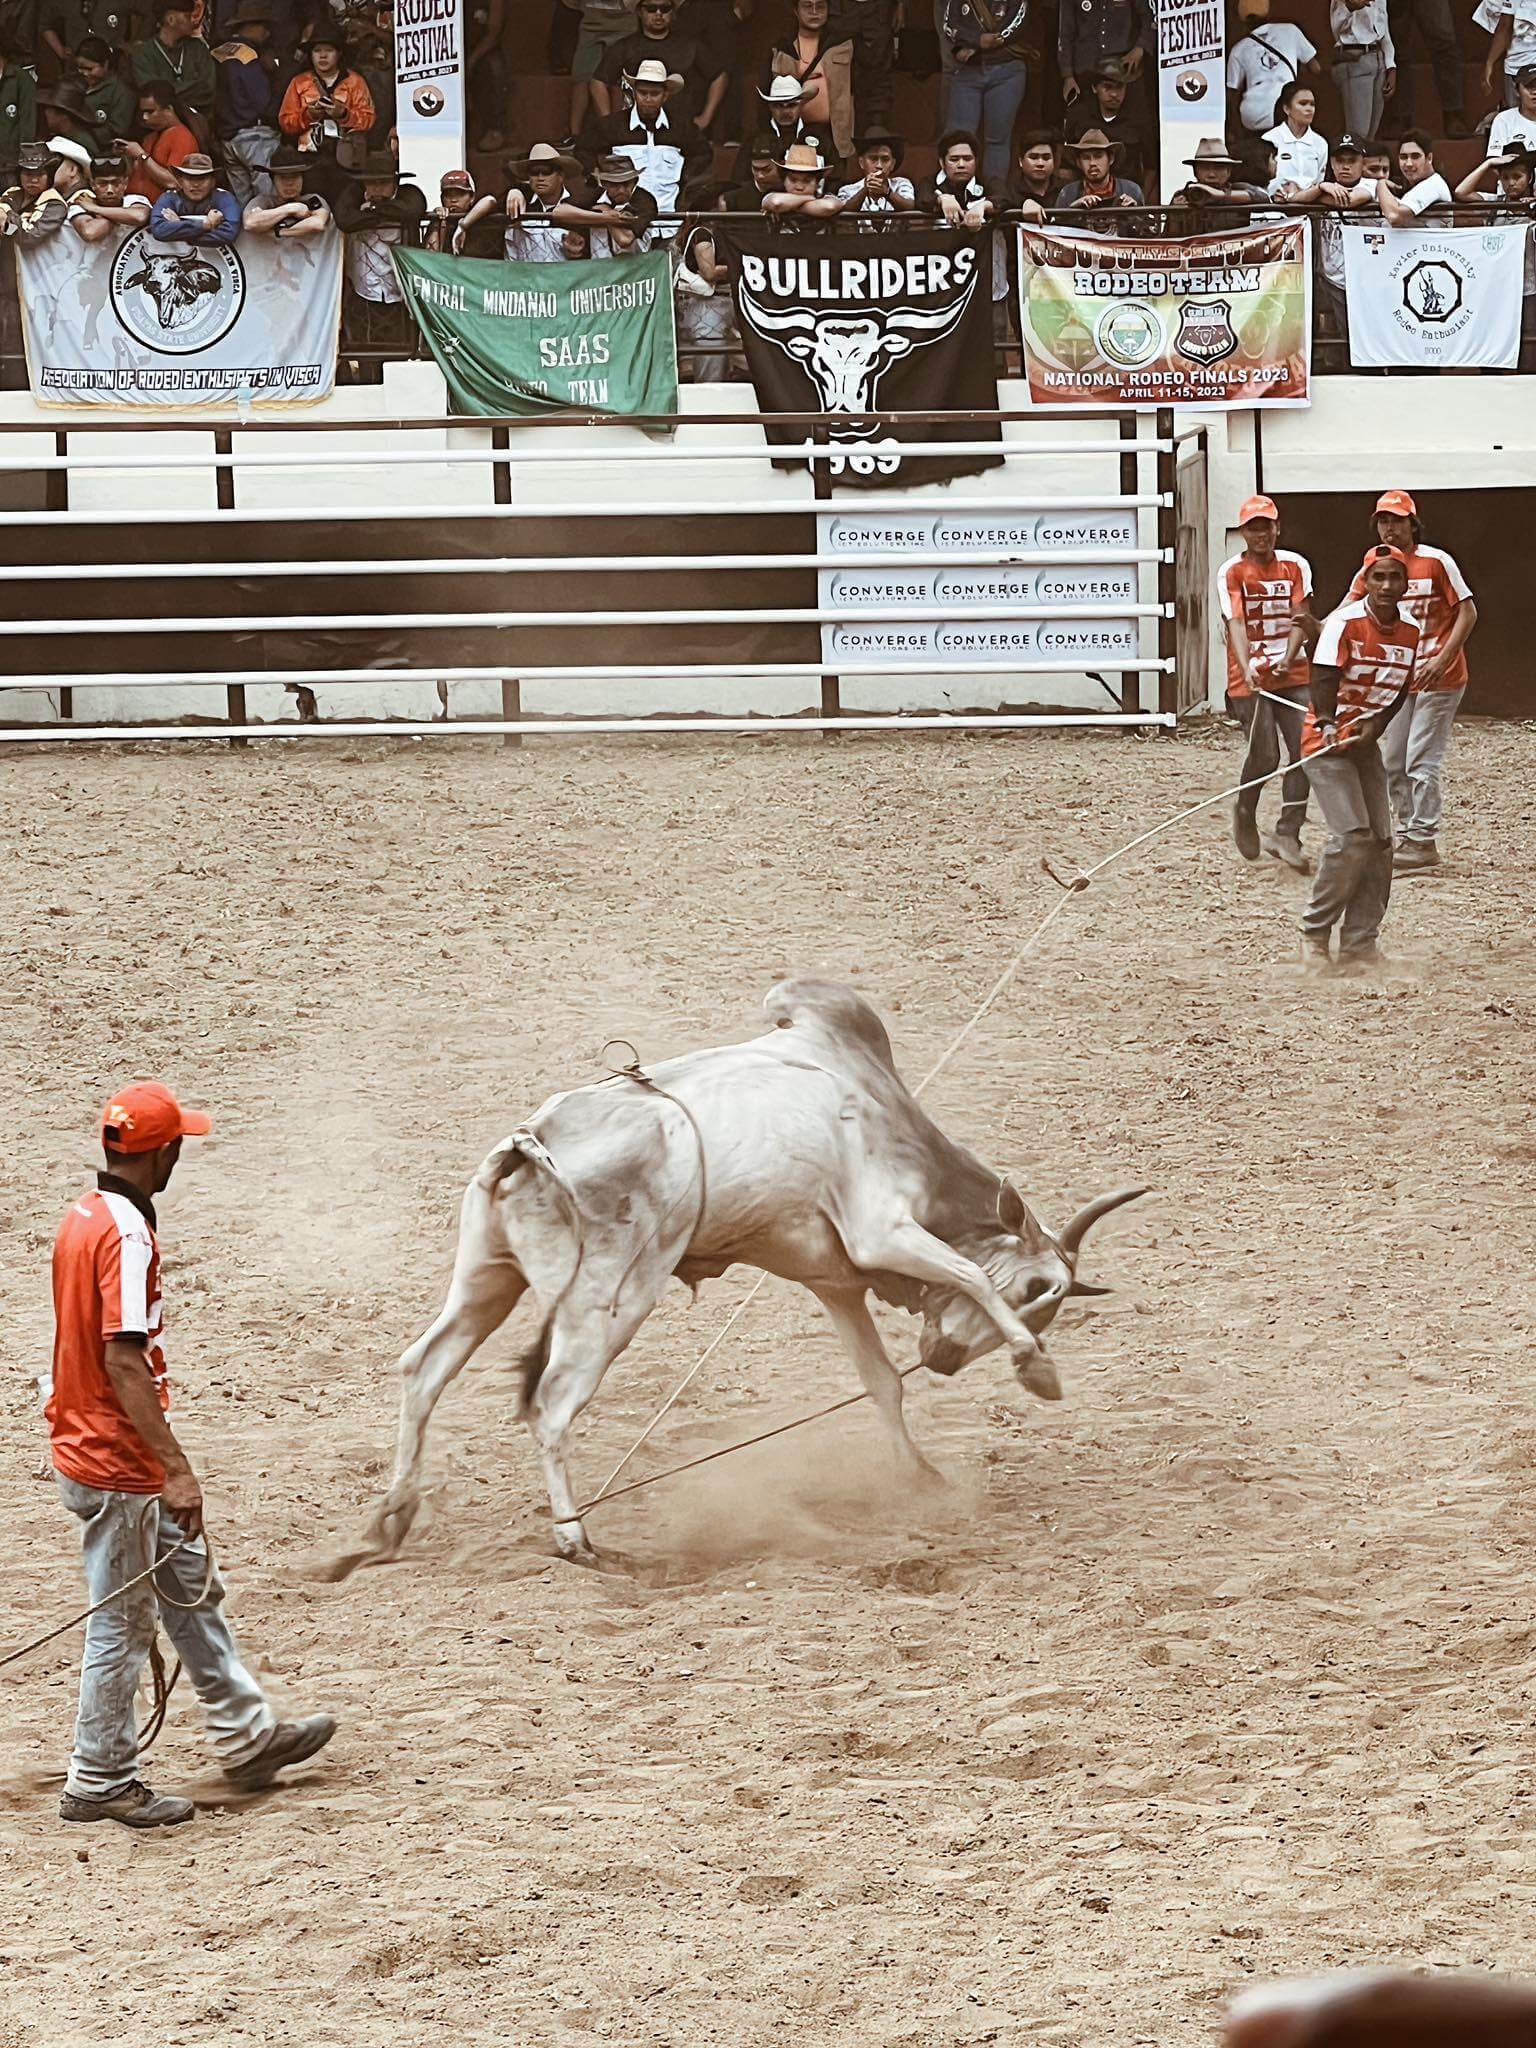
(845, 357)
(1033, 1269)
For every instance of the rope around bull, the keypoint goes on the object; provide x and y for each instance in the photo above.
(608, 1491)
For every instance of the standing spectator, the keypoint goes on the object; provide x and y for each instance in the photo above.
(879, 189)
(664, 147)
(763, 175)
(603, 23)
(1516, 124)
(784, 102)
(676, 50)
(621, 220)
(1433, 20)
(871, 27)
(1301, 154)
(1439, 602)
(108, 205)
(1422, 185)
(291, 213)
(990, 77)
(718, 25)
(1037, 172)
(822, 65)
(801, 197)
(706, 319)
(464, 223)
(1259, 593)
(1512, 25)
(18, 106)
(198, 210)
(1270, 55)
(109, 103)
(1346, 179)
(485, 71)
(1096, 185)
(326, 99)
(176, 57)
(1088, 31)
(1103, 107)
(171, 142)
(377, 214)
(62, 111)
(246, 101)
(541, 203)
(65, 24)
(1361, 673)
(1364, 62)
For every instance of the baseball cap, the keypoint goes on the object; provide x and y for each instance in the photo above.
(1384, 553)
(1257, 508)
(1398, 502)
(1347, 146)
(1526, 75)
(456, 181)
(146, 1115)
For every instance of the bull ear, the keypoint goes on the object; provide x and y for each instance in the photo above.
(1011, 1212)
(1082, 1287)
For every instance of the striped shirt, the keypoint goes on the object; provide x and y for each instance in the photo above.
(106, 1283)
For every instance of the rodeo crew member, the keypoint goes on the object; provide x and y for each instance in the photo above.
(124, 1476)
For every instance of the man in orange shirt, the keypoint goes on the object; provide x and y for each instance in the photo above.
(1440, 603)
(171, 142)
(123, 1474)
(1260, 591)
(1362, 671)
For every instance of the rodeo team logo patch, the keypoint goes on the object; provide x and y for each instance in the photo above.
(428, 100)
(176, 302)
(1205, 330)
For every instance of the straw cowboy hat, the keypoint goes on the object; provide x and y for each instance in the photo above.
(785, 91)
(802, 156)
(876, 133)
(544, 157)
(1094, 138)
(651, 71)
(1210, 149)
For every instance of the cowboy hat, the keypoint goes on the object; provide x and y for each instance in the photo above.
(67, 97)
(876, 133)
(251, 10)
(33, 156)
(1210, 149)
(651, 71)
(286, 159)
(1094, 138)
(62, 146)
(1112, 70)
(376, 165)
(544, 157)
(802, 156)
(194, 166)
(614, 169)
(784, 91)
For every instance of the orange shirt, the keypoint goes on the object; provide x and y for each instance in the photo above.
(297, 113)
(106, 1283)
(167, 147)
(1375, 662)
(1436, 588)
(1264, 595)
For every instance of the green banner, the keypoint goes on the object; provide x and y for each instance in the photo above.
(533, 338)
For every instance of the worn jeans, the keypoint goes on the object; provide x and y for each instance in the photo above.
(1361, 77)
(246, 155)
(1433, 20)
(1266, 724)
(121, 1534)
(1414, 747)
(985, 97)
(1354, 876)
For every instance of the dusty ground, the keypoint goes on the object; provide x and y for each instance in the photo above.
(1222, 1668)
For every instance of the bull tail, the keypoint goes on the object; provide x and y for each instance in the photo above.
(523, 1151)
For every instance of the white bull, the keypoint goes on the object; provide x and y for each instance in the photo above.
(802, 1153)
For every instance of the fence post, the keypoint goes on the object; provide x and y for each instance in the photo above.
(56, 499)
(821, 487)
(1130, 477)
(1167, 568)
(224, 498)
(501, 491)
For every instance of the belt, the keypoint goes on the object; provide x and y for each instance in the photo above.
(1343, 52)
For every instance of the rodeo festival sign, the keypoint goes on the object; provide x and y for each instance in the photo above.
(1191, 80)
(1434, 298)
(130, 321)
(1208, 320)
(835, 328)
(429, 88)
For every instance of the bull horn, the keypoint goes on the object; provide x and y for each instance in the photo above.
(1073, 1233)
(1082, 1287)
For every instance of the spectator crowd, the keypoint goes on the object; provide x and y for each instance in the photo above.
(208, 120)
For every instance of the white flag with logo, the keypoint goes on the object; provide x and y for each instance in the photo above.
(1434, 298)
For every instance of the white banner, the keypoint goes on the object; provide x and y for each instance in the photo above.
(1434, 298)
(1191, 83)
(429, 90)
(130, 321)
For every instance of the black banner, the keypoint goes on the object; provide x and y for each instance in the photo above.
(849, 325)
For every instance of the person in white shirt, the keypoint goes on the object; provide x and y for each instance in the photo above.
(1512, 24)
(1423, 186)
(1301, 154)
(1516, 125)
(1272, 54)
(1364, 62)
(878, 189)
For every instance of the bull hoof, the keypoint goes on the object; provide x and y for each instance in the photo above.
(1040, 1378)
(571, 1544)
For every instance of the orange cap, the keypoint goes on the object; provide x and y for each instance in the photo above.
(1257, 508)
(1384, 553)
(1398, 502)
(146, 1115)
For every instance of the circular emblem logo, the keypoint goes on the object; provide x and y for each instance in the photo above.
(1432, 292)
(1129, 335)
(1190, 85)
(427, 100)
(176, 301)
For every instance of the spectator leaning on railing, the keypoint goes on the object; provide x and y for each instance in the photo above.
(1096, 184)
(879, 190)
(702, 288)
(1346, 177)
(800, 198)
(199, 210)
(763, 175)
(292, 213)
(377, 214)
(1364, 61)
(1036, 174)
(543, 199)
(1516, 169)
(109, 204)
(1421, 184)
(621, 220)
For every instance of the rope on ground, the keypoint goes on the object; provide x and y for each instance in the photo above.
(1078, 882)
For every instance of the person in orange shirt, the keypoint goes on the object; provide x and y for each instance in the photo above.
(123, 1474)
(170, 143)
(325, 100)
(1260, 592)
(1362, 671)
(1441, 605)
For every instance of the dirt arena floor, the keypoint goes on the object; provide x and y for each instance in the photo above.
(1220, 1669)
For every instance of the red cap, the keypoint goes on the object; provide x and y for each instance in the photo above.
(1385, 554)
(146, 1115)
(456, 181)
(1398, 502)
(1257, 508)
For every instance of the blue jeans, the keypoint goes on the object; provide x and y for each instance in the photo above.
(985, 97)
(1414, 747)
(122, 1533)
